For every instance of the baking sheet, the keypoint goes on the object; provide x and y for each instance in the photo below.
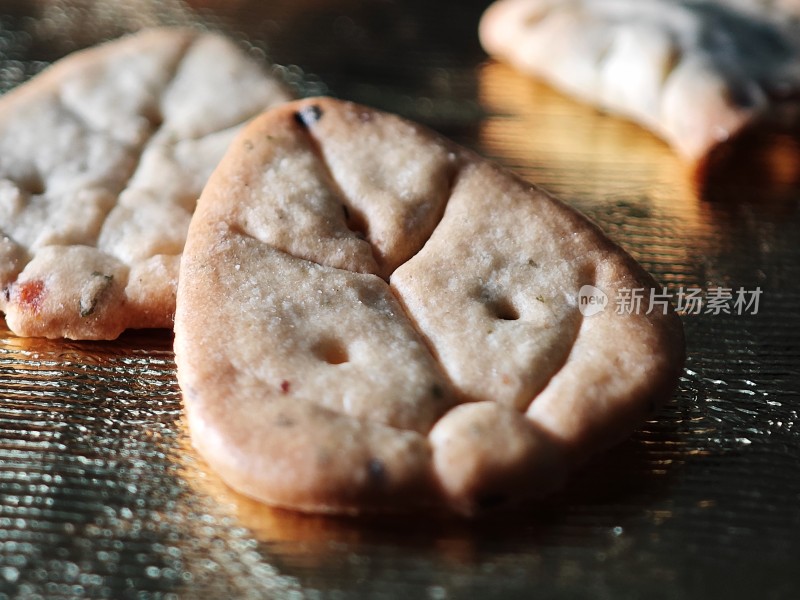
(101, 495)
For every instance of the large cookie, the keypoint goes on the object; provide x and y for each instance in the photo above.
(697, 73)
(372, 318)
(102, 158)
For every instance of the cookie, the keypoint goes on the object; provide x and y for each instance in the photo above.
(102, 159)
(371, 318)
(695, 73)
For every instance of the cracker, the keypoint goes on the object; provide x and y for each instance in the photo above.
(695, 73)
(461, 378)
(102, 159)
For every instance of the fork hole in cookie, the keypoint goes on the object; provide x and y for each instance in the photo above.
(504, 310)
(33, 184)
(332, 352)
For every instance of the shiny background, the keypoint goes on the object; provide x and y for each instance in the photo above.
(101, 495)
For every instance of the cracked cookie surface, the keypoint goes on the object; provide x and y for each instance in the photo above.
(102, 159)
(372, 318)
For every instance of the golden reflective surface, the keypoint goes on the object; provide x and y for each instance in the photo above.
(102, 496)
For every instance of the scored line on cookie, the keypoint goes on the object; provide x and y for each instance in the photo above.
(309, 116)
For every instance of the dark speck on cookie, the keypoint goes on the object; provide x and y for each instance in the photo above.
(308, 115)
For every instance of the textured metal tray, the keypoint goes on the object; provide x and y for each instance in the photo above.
(101, 495)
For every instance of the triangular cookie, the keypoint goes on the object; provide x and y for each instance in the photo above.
(102, 158)
(372, 318)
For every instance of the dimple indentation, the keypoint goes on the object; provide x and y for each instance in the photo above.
(33, 184)
(503, 309)
(331, 351)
